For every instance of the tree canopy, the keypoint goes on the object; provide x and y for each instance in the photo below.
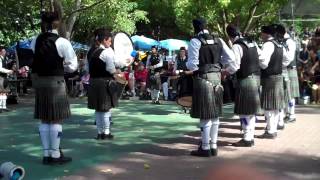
(160, 19)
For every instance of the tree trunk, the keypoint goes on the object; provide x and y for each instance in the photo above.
(59, 9)
(72, 19)
(251, 15)
(224, 27)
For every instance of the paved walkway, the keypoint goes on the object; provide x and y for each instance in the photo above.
(153, 142)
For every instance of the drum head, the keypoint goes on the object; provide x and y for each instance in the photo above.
(122, 46)
(185, 101)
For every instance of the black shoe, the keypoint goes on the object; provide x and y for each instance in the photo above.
(157, 102)
(46, 160)
(6, 110)
(267, 135)
(291, 120)
(107, 136)
(201, 153)
(280, 127)
(243, 143)
(98, 137)
(214, 152)
(61, 160)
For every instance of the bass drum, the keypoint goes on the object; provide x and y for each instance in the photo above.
(123, 47)
(185, 90)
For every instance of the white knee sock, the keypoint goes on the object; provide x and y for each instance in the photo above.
(4, 102)
(152, 95)
(105, 116)
(205, 126)
(55, 136)
(252, 126)
(156, 94)
(214, 133)
(44, 131)
(292, 104)
(281, 118)
(1, 101)
(248, 127)
(275, 122)
(272, 120)
(99, 122)
(165, 90)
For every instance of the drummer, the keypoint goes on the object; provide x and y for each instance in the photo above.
(205, 54)
(103, 92)
(154, 65)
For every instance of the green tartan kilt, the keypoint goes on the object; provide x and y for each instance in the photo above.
(207, 97)
(104, 94)
(247, 98)
(272, 94)
(294, 82)
(286, 87)
(51, 100)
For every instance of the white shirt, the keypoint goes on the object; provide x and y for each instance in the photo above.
(2, 69)
(266, 53)
(227, 55)
(292, 46)
(160, 64)
(65, 50)
(107, 56)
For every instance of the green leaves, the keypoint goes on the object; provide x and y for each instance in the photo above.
(224, 3)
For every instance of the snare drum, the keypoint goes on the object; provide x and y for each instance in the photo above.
(184, 90)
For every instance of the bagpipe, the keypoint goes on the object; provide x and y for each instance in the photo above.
(124, 54)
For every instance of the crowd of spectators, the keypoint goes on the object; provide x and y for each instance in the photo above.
(308, 65)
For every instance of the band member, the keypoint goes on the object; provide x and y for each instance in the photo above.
(104, 92)
(286, 81)
(272, 96)
(53, 55)
(247, 99)
(181, 60)
(3, 75)
(154, 65)
(293, 77)
(205, 54)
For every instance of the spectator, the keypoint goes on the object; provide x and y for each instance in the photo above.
(303, 57)
(141, 75)
(314, 71)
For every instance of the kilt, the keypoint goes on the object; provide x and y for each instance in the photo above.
(3, 88)
(104, 94)
(247, 98)
(51, 101)
(286, 87)
(258, 80)
(272, 94)
(294, 82)
(207, 97)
